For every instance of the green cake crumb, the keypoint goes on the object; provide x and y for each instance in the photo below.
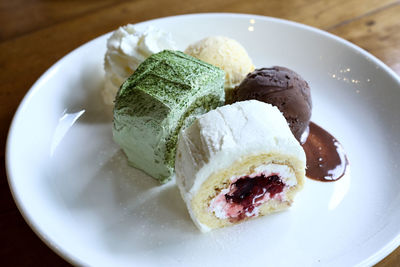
(166, 92)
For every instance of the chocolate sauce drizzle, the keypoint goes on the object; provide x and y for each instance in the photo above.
(326, 159)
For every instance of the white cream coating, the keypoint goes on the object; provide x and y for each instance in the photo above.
(227, 134)
(126, 49)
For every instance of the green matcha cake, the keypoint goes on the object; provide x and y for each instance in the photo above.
(166, 92)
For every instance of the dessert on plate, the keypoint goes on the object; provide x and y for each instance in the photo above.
(282, 88)
(232, 163)
(163, 95)
(127, 47)
(238, 162)
(227, 54)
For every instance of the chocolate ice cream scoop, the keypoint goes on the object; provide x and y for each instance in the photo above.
(283, 88)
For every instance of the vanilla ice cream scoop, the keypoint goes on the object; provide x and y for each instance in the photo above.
(126, 49)
(226, 54)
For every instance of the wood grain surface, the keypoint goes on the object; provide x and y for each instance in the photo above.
(34, 34)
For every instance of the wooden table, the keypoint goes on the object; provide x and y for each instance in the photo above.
(34, 34)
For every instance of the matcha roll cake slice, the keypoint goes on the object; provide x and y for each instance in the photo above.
(166, 92)
(238, 162)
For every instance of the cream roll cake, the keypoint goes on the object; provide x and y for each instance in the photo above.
(238, 162)
(166, 92)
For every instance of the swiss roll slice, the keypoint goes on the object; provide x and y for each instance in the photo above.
(238, 162)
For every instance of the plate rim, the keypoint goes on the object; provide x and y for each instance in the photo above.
(75, 260)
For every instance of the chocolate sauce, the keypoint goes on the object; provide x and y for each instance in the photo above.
(326, 160)
(247, 191)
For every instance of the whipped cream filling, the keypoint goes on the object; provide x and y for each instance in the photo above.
(224, 209)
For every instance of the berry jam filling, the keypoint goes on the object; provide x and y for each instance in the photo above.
(247, 192)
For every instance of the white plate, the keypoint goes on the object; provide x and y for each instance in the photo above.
(74, 188)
